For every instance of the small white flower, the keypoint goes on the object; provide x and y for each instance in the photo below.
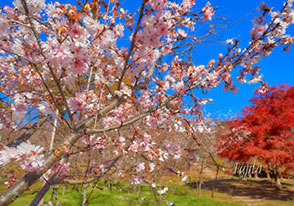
(136, 180)
(184, 179)
(177, 156)
(152, 166)
(164, 190)
(140, 167)
(229, 41)
(204, 101)
(255, 80)
(182, 33)
(122, 140)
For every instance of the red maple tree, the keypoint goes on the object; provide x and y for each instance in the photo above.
(265, 131)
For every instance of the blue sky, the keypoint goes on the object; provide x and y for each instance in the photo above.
(277, 68)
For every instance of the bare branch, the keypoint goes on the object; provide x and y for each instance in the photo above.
(132, 44)
(30, 131)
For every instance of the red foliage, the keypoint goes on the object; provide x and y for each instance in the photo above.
(265, 129)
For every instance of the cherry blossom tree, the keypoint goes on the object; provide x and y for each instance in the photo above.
(67, 62)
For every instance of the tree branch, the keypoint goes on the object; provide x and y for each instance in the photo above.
(132, 44)
(31, 130)
(36, 34)
(22, 185)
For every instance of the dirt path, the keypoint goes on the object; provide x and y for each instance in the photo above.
(252, 192)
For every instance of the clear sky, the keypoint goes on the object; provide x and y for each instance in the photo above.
(278, 68)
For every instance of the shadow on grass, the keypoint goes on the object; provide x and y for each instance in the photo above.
(249, 188)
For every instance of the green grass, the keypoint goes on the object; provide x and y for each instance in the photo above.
(126, 195)
(179, 194)
(27, 197)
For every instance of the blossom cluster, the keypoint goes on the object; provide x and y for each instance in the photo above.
(30, 157)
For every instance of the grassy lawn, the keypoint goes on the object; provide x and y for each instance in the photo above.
(128, 195)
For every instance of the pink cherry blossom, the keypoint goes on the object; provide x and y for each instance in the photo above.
(76, 31)
(29, 156)
(35, 6)
(208, 11)
(140, 167)
(136, 180)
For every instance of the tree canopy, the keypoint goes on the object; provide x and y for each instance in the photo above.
(264, 131)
